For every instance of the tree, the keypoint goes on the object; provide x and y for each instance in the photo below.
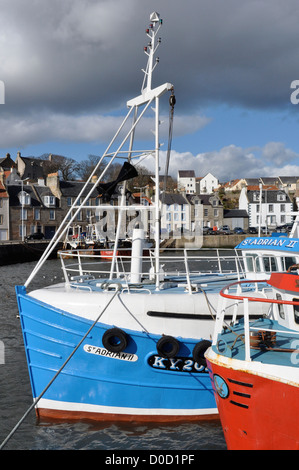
(67, 167)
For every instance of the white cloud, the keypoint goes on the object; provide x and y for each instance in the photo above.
(278, 154)
(230, 162)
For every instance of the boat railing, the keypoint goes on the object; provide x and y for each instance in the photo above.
(252, 333)
(79, 263)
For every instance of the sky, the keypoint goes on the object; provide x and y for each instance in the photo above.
(68, 68)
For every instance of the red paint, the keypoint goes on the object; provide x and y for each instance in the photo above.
(287, 282)
(270, 419)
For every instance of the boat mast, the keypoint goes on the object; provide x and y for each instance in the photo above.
(149, 94)
(145, 99)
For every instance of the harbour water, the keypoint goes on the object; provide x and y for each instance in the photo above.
(16, 398)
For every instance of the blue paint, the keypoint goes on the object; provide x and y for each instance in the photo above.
(50, 335)
(289, 245)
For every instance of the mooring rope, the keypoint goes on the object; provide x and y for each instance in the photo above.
(118, 287)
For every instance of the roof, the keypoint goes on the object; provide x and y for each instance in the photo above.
(3, 192)
(14, 190)
(266, 187)
(205, 199)
(235, 213)
(186, 173)
(73, 188)
(289, 179)
(268, 195)
(173, 198)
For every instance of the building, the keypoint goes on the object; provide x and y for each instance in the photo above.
(209, 208)
(234, 185)
(208, 184)
(175, 213)
(4, 213)
(186, 181)
(31, 168)
(236, 218)
(7, 163)
(267, 206)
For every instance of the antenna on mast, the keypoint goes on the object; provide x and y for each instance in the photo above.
(150, 50)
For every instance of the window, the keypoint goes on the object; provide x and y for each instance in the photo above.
(288, 261)
(23, 214)
(183, 216)
(271, 208)
(52, 214)
(21, 227)
(24, 198)
(168, 216)
(280, 307)
(1, 219)
(49, 201)
(252, 262)
(296, 311)
(270, 264)
(176, 216)
(36, 214)
(281, 197)
(69, 201)
(282, 207)
(205, 212)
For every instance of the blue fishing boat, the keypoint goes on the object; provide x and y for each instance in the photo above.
(127, 341)
(126, 344)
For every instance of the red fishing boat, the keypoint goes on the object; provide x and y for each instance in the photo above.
(254, 366)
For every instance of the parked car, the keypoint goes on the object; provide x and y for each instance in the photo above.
(225, 230)
(206, 230)
(209, 230)
(35, 236)
(252, 230)
(284, 228)
(238, 230)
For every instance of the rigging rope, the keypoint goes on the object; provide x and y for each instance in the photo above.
(172, 101)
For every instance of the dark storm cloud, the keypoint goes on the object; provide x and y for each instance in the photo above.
(80, 54)
(70, 59)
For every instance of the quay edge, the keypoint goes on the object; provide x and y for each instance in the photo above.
(12, 252)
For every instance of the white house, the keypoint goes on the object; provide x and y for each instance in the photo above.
(268, 207)
(186, 181)
(208, 184)
(175, 213)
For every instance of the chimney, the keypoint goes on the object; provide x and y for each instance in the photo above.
(53, 184)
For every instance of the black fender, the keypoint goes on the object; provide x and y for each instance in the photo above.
(199, 351)
(168, 346)
(115, 340)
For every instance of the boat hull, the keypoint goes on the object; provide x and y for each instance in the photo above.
(136, 384)
(257, 412)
